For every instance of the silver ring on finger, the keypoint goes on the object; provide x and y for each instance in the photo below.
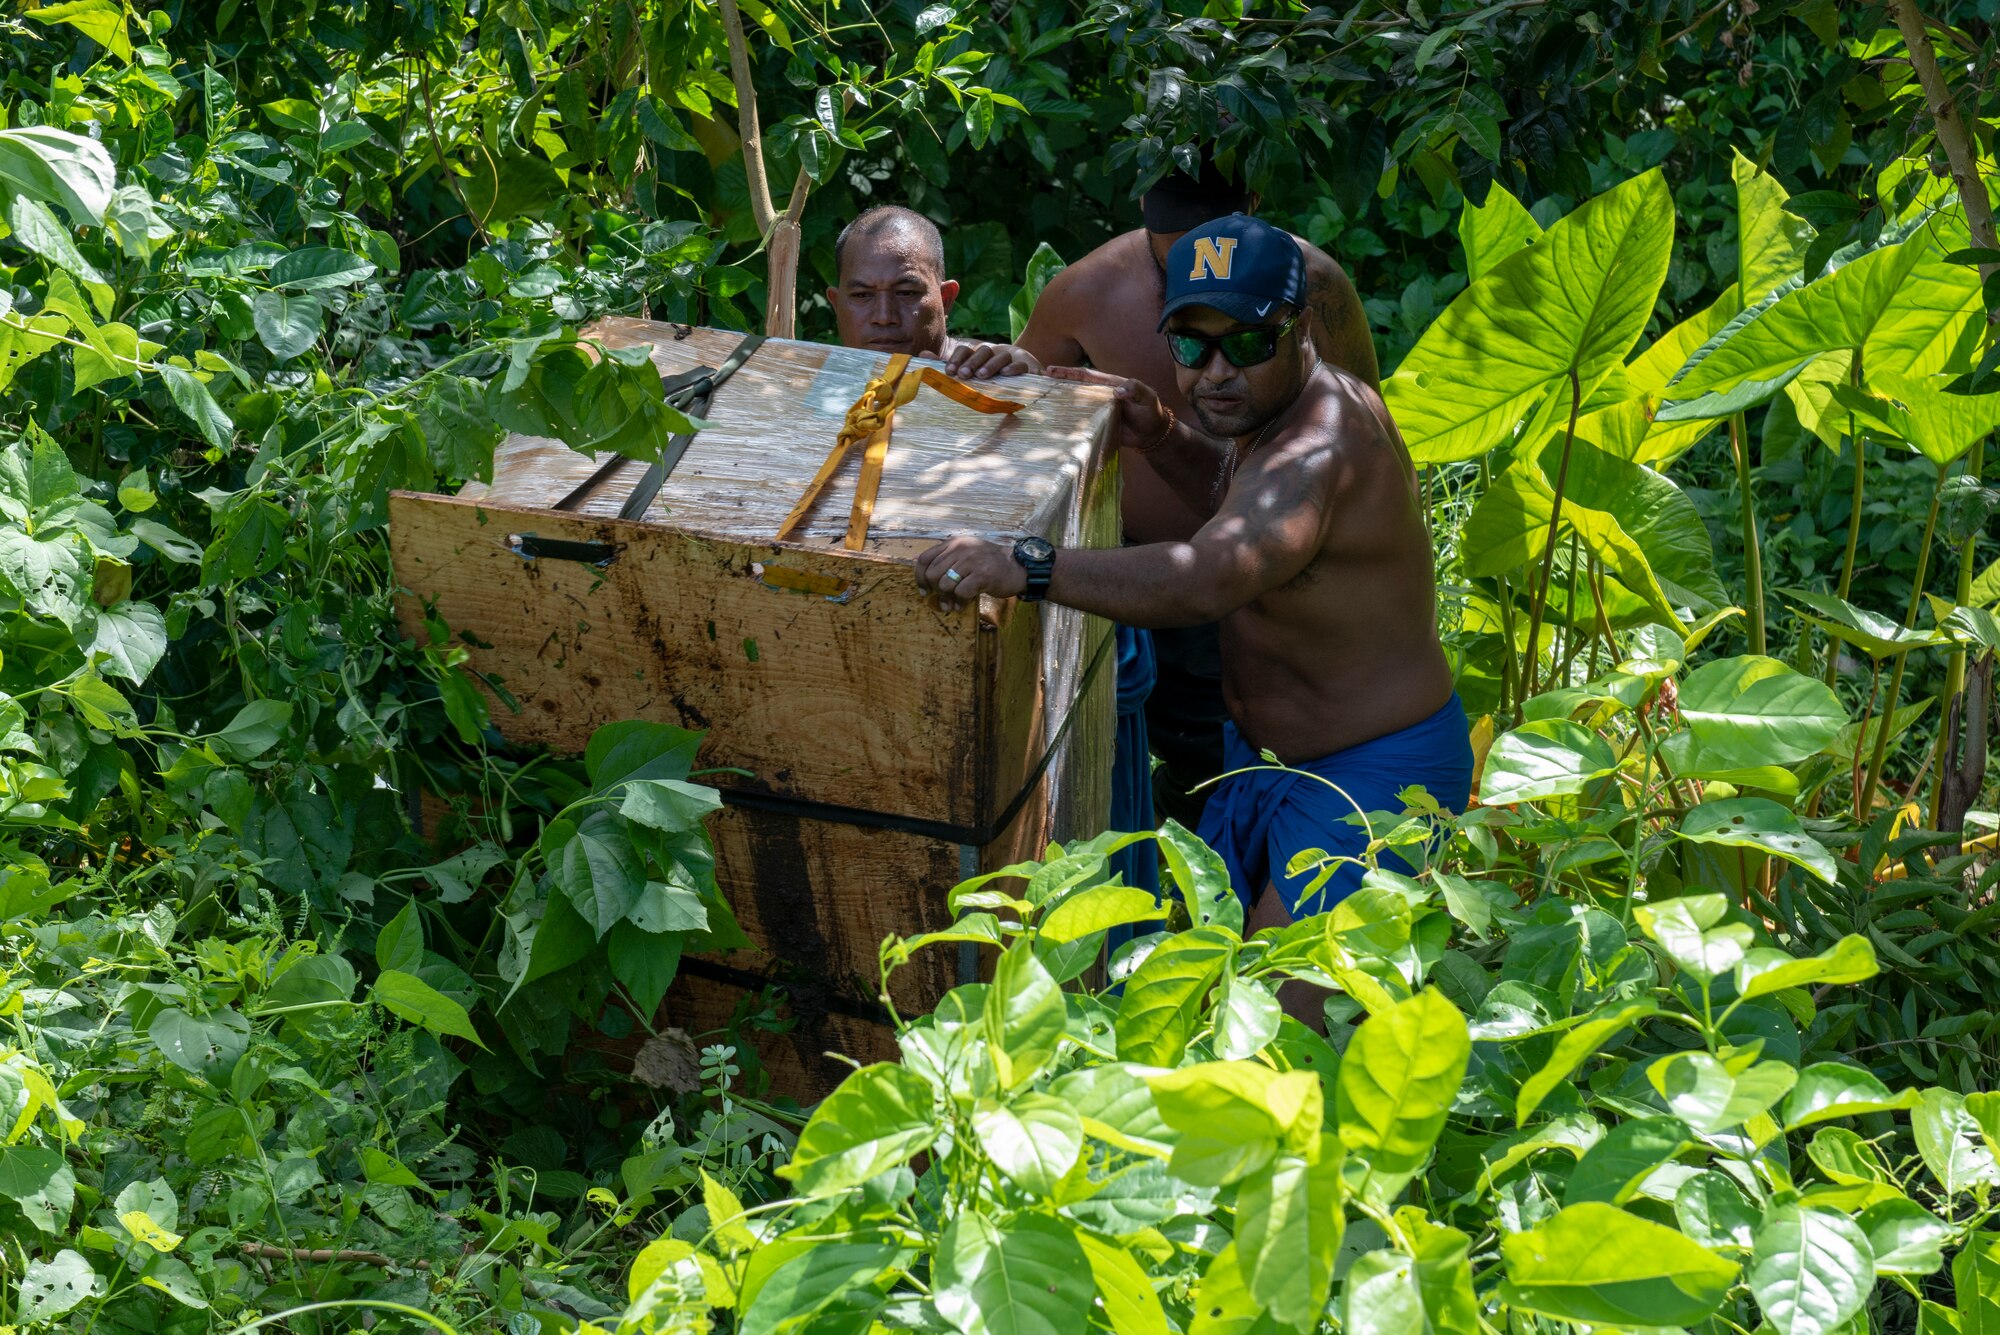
(953, 576)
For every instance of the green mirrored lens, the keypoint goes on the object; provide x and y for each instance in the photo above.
(1247, 347)
(1188, 349)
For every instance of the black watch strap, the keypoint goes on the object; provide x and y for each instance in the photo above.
(1038, 558)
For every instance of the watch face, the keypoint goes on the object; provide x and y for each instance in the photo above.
(1037, 549)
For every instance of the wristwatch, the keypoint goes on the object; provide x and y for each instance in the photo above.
(1038, 557)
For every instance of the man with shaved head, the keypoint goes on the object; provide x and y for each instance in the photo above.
(891, 295)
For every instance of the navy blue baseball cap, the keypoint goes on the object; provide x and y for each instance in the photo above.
(1238, 265)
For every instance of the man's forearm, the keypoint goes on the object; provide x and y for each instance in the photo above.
(1193, 464)
(1161, 584)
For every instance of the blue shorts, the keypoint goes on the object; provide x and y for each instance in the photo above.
(1258, 821)
(1131, 762)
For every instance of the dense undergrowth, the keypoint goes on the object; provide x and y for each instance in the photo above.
(1693, 976)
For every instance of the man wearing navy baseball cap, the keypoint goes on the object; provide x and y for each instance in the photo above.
(1313, 555)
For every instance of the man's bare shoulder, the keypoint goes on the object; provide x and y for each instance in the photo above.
(1339, 426)
(1105, 271)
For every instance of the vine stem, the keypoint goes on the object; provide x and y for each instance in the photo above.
(1753, 556)
(1853, 520)
(1867, 801)
(1532, 663)
(417, 1312)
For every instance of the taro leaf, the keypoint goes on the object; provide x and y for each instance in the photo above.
(875, 1120)
(1771, 242)
(1833, 1089)
(50, 1288)
(1127, 1292)
(1573, 1048)
(1950, 1142)
(40, 1182)
(1686, 928)
(209, 1046)
(1710, 1208)
(1288, 1229)
(287, 323)
(1917, 410)
(1162, 1001)
(423, 1005)
(1613, 1169)
(1761, 824)
(1026, 1276)
(1032, 1139)
(1753, 711)
(1098, 909)
(1397, 1080)
(1550, 758)
(1492, 231)
(1766, 970)
(1596, 1263)
(1855, 742)
(1202, 876)
(1810, 1270)
(1025, 1017)
(1571, 304)
(827, 1286)
(1870, 632)
(1906, 1238)
(1232, 1118)
(1381, 1293)
(1043, 265)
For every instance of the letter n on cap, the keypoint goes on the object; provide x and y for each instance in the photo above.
(1212, 256)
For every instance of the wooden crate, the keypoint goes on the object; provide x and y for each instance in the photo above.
(891, 748)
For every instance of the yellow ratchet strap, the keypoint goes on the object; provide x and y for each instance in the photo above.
(868, 425)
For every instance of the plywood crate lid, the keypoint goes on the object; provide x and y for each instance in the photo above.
(949, 469)
(870, 699)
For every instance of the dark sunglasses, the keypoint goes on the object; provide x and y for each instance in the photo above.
(1245, 347)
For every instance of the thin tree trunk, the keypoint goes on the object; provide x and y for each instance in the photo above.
(1951, 134)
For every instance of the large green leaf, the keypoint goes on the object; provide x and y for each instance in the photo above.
(1760, 824)
(417, 1001)
(1871, 632)
(1117, 1108)
(1397, 1081)
(59, 167)
(1027, 1276)
(1613, 1169)
(1097, 909)
(1162, 1001)
(1686, 927)
(1572, 1048)
(1232, 1118)
(1123, 1287)
(1810, 1270)
(1753, 711)
(596, 867)
(1596, 1263)
(1032, 1139)
(1573, 303)
(1765, 969)
(1202, 876)
(1710, 1097)
(40, 1182)
(1916, 409)
(1548, 758)
(1833, 1089)
(1771, 241)
(1907, 1239)
(1975, 1283)
(1950, 1142)
(287, 322)
(50, 1288)
(1492, 231)
(1025, 1018)
(828, 1286)
(1288, 1228)
(1711, 1209)
(878, 1117)
(1383, 1296)
(1901, 304)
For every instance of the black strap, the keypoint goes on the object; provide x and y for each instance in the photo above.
(690, 391)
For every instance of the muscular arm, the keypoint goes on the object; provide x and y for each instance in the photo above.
(1267, 530)
(1050, 337)
(1340, 324)
(1194, 465)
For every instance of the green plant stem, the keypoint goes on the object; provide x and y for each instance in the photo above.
(1853, 520)
(1867, 802)
(1532, 660)
(1954, 677)
(1753, 556)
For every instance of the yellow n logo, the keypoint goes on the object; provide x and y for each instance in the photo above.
(1213, 254)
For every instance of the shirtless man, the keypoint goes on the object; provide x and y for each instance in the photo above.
(892, 296)
(1312, 554)
(1087, 315)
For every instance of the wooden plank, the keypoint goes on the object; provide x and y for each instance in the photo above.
(864, 701)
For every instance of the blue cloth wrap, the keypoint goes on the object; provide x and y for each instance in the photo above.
(1131, 762)
(1258, 821)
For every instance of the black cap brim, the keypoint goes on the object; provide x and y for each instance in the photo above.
(1245, 306)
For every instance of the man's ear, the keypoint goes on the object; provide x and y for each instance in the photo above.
(833, 296)
(948, 293)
